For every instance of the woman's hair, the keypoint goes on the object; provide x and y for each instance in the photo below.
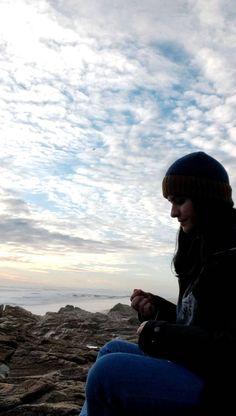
(212, 233)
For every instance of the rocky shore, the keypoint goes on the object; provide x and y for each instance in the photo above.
(44, 360)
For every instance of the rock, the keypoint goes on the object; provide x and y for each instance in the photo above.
(4, 371)
(44, 360)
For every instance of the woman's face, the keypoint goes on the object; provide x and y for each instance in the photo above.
(182, 209)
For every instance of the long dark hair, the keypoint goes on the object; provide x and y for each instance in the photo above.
(215, 230)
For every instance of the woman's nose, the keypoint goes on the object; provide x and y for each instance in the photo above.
(174, 211)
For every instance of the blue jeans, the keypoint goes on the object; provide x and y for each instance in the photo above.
(125, 382)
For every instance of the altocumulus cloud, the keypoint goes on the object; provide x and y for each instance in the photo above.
(97, 99)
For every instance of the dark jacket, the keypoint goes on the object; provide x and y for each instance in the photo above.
(200, 332)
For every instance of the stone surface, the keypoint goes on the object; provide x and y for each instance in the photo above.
(44, 360)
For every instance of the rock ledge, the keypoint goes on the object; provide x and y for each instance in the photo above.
(44, 359)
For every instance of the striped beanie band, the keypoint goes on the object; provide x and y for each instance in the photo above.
(197, 175)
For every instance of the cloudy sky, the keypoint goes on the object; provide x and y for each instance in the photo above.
(97, 98)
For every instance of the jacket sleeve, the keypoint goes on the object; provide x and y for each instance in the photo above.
(186, 345)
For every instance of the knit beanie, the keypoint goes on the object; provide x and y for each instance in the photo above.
(198, 175)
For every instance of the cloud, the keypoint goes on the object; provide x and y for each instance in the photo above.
(97, 99)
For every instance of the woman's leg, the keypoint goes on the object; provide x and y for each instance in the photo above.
(114, 346)
(133, 384)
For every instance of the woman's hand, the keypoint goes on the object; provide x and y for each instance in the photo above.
(143, 303)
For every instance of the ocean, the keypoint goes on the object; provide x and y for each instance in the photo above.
(42, 299)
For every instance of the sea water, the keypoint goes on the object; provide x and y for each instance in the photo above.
(42, 299)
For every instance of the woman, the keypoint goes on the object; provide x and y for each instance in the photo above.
(185, 353)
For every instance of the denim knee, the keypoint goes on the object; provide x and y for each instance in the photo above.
(110, 346)
(120, 345)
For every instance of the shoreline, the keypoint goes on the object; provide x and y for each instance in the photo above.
(40, 299)
(89, 305)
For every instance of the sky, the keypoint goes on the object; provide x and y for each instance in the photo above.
(97, 99)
